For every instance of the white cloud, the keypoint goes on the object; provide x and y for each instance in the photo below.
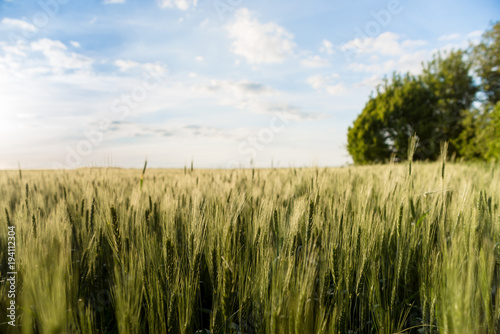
(327, 47)
(19, 24)
(413, 43)
(315, 62)
(58, 58)
(283, 109)
(475, 34)
(199, 58)
(67, 102)
(259, 43)
(386, 53)
(128, 129)
(208, 131)
(452, 46)
(407, 62)
(253, 97)
(234, 89)
(205, 23)
(385, 44)
(317, 82)
(13, 52)
(412, 62)
(372, 68)
(126, 65)
(450, 37)
(179, 4)
(372, 81)
(322, 83)
(155, 68)
(336, 89)
(113, 1)
(75, 44)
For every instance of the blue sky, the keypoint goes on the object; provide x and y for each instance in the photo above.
(224, 83)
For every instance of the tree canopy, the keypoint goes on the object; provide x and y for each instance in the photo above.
(455, 99)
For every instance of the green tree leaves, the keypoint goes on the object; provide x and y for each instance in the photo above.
(453, 89)
(480, 139)
(443, 104)
(486, 58)
(401, 108)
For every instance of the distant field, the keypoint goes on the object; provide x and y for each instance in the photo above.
(374, 249)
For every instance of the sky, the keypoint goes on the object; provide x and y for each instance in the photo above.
(222, 83)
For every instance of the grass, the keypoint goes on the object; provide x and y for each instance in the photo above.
(399, 248)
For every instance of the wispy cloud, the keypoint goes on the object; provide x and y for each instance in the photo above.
(125, 65)
(19, 24)
(129, 129)
(128, 65)
(315, 62)
(450, 37)
(325, 84)
(371, 82)
(259, 43)
(384, 44)
(178, 4)
(286, 110)
(238, 89)
(59, 59)
(475, 34)
(327, 47)
(255, 98)
(335, 89)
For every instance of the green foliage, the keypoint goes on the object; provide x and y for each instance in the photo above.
(380, 249)
(449, 80)
(443, 104)
(366, 140)
(480, 138)
(402, 108)
(486, 57)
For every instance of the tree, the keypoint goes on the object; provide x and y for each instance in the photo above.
(444, 103)
(448, 78)
(493, 135)
(480, 137)
(367, 140)
(486, 57)
(401, 108)
(430, 105)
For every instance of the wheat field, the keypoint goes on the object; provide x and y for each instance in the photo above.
(398, 248)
